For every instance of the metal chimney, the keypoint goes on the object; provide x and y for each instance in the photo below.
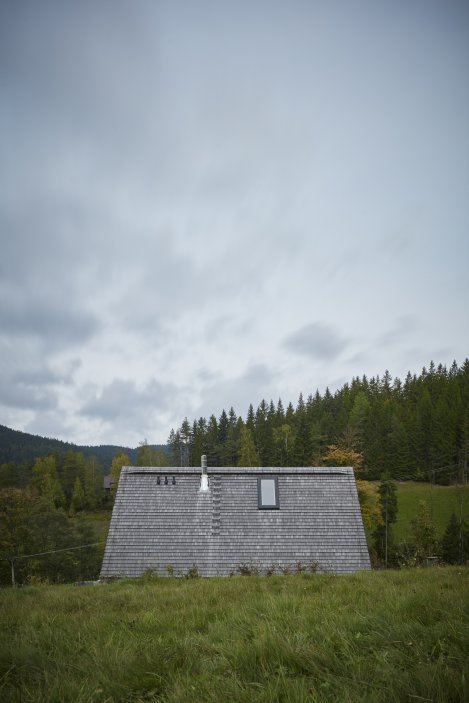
(204, 477)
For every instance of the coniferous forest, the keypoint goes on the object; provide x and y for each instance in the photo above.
(416, 428)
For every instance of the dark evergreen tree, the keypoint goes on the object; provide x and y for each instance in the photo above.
(250, 420)
(233, 439)
(174, 444)
(263, 435)
(211, 442)
(359, 419)
(222, 439)
(454, 543)
(72, 468)
(423, 532)
(185, 433)
(197, 441)
(302, 447)
(280, 412)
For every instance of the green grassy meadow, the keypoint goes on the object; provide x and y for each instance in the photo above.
(374, 636)
(442, 500)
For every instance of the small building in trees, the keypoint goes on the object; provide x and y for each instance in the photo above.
(108, 483)
(231, 519)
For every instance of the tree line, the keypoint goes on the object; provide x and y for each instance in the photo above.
(416, 428)
(22, 448)
(44, 535)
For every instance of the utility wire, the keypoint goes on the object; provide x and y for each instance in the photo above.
(53, 551)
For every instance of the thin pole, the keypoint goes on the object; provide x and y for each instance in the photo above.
(386, 538)
(461, 531)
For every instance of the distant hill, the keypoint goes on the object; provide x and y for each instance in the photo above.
(21, 447)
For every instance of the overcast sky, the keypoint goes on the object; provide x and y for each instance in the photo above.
(203, 204)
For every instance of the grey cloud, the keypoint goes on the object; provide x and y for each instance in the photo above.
(26, 382)
(258, 375)
(228, 327)
(317, 340)
(358, 359)
(121, 400)
(43, 375)
(207, 376)
(26, 395)
(164, 282)
(401, 331)
(55, 322)
(256, 382)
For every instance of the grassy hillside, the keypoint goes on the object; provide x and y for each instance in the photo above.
(374, 636)
(443, 500)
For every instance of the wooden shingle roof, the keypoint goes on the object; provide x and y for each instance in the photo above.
(162, 521)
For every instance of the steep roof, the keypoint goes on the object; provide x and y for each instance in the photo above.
(161, 519)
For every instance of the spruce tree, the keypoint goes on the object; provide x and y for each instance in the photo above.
(197, 441)
(211, 442)
(263, 434)
(72, 468)
(302, 447)
(423, 529)
(222, 438)
(232, 441)
(174, 443)
(452, 542)
(280, 413)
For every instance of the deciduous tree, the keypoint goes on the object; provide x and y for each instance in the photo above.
(248, 454)
(121, 459)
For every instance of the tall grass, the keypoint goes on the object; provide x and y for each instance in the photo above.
(373, 636)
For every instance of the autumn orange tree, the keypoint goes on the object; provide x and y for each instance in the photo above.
(342, 456)
(337, 455)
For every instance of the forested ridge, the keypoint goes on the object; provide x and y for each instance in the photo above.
(416, 428)
(22, 447)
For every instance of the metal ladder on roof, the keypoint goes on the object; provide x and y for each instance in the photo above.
(215, 485)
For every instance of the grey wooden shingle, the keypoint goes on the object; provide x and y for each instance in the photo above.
(154, 526)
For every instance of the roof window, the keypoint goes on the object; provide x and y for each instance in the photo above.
(267, 493)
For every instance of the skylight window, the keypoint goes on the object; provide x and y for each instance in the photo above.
(267, 493)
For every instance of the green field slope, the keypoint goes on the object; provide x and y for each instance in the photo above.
(374, 636)
(442, 500)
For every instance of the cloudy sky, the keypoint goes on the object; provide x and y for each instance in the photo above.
(203, 204)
